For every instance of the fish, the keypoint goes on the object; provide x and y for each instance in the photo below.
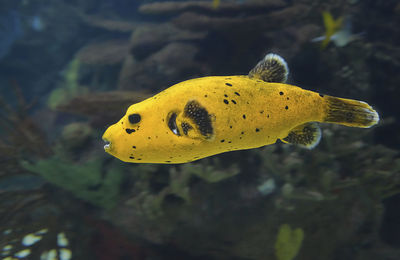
(210, 115)
(339, 31)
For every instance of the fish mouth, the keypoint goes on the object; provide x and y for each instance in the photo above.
(107, 146)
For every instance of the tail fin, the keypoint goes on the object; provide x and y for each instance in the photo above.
(350, 112)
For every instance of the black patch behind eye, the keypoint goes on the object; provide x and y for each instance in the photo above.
(134, 118)
(186, 127)
(200, 117)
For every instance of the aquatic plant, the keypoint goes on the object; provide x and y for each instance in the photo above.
(87, 181)
(20, 134)
(288, 242)
(70, 86)
(211, 173)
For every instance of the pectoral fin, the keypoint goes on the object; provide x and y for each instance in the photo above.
(306, 135)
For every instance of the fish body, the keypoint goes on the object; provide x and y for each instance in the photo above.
(206, 116)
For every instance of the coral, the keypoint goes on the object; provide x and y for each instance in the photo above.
(86, 181)
(108, 24)
(172, 8)
(104, 53)
(288, 242)
(102, 107)
(167, 66)
(235, 24)
(211, 173)
(75, 135)
(150, 38)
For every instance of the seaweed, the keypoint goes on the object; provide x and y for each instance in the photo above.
(87, 181)
(288, 242)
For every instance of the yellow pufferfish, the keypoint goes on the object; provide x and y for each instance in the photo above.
(210, 115)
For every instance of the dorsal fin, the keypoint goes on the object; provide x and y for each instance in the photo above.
(273, 68)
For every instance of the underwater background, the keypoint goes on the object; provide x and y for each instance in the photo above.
(70, 68)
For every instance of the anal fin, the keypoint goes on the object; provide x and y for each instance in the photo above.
(306, 135)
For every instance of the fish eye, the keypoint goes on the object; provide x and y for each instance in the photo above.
(134, 118)
(172, 124)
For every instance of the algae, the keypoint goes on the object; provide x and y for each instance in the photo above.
(69, 88)
(288, 242)
(86, 181)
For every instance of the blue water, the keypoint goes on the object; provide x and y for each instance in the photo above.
(70, 69)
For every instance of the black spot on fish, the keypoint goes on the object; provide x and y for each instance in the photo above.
(267, 116)
(244, 116)
(129, 131)
(281, 93)
(131, 157)
(225, 95)
(233, 101)
(134, 118)
(230, 142)
(287, 98)
(226, 101)
(167, 161)
(149, 137)
(262, 111)
(237, 94)
(286, 107)
(200, 116)
(257, 130)
(242, 133)
(230, 127)
(186, 127)
(134, 147)
(139, 159)
(228, 84)
(205, 96)
(122, 122)
(222, 141)
(321, 95)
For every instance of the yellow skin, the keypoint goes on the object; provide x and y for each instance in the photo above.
(211, 115)
(263, 104)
